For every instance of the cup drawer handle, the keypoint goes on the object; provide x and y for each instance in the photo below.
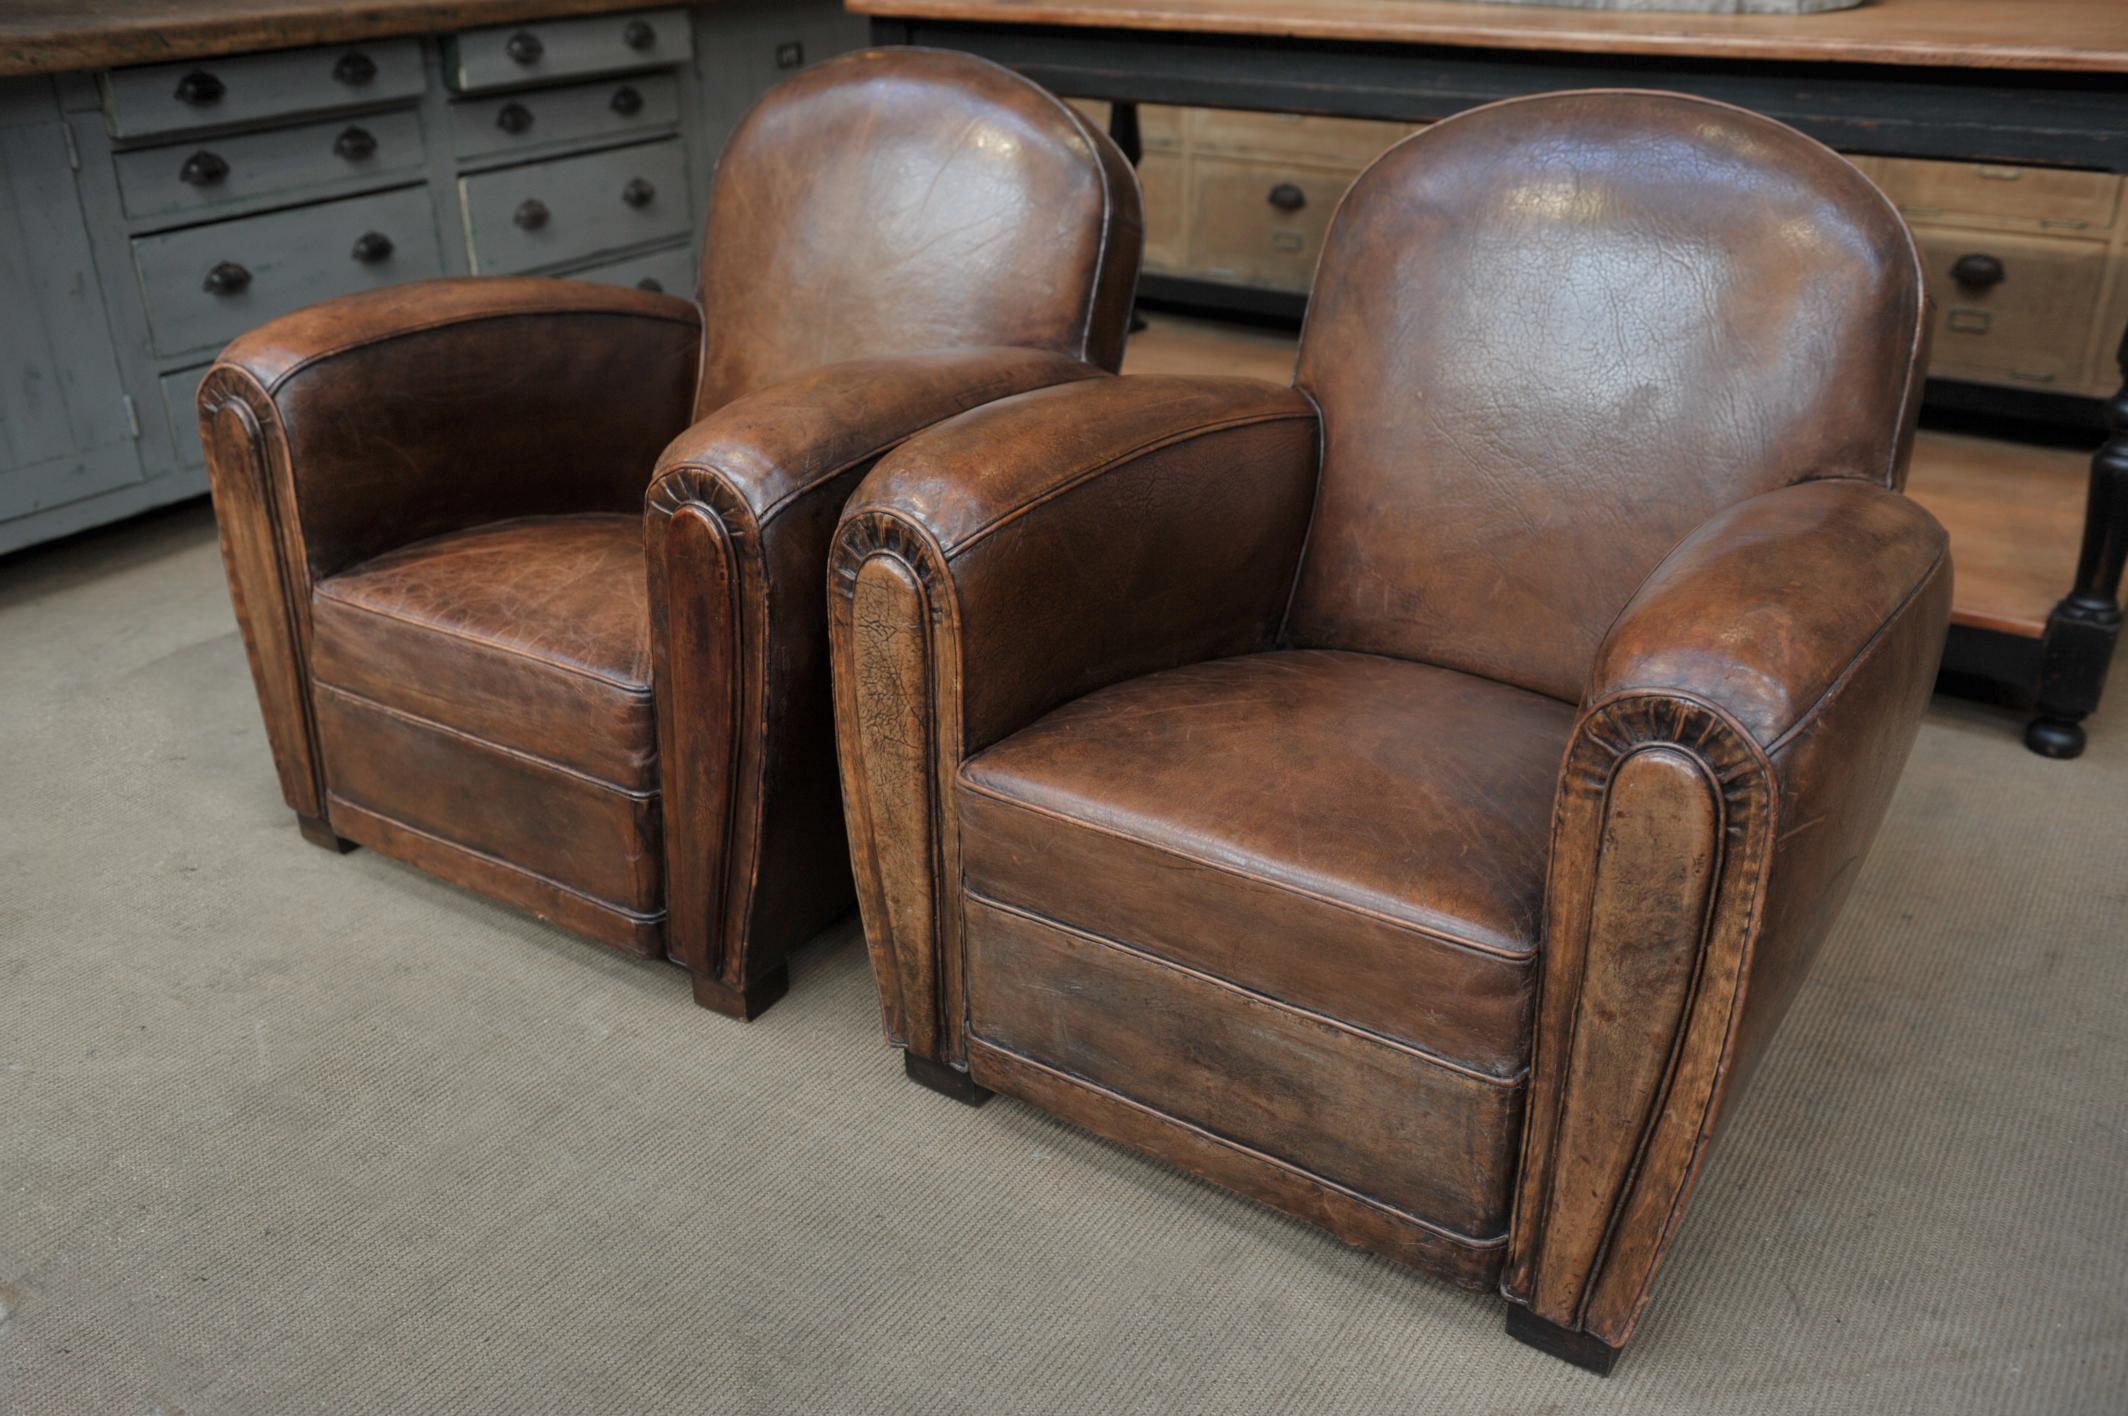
(524, 47)
(1287, 197)
(203, 169)
(513, 118)
(227, 278)
(355, 69)
(626, 101)
(638, 193)
(531, 214)
(355, 143)
(200, 89)
(372, 247)
(1977, 271)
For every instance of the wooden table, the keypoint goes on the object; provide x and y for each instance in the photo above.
(2036, 82)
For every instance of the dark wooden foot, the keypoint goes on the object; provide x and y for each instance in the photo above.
(946, 1081)
(1589, 1353)
(2055, 737)
(745, 1004)
(318, 833)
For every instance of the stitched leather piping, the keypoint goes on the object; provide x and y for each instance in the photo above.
(1510, 1082)
(644, 692)
(654, 917)
(1428, 932)
(530, 759)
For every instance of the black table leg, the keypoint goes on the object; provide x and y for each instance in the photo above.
(2086, 625)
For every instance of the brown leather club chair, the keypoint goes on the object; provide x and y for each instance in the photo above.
(477, 649)
(1411, 798)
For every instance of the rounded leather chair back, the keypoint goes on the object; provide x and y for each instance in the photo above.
(900, 200)
(1550, 337)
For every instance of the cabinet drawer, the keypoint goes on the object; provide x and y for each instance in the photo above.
(671, 270)
(1260, 223)
(483, 127)
(509, 55)
(1351, 142)
(201, 176)
(205, 285)
(181, 404)
(170, 98)
(546, 213)
(2004, 198)
(1161, 175)
(2031, 326)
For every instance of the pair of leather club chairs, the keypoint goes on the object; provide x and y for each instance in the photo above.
(1409, 798)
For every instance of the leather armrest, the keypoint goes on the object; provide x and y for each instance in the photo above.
(1745, 724)
(737, 524)
(1016, 556)
(1082, 535)
(345, 429)
(400, 413)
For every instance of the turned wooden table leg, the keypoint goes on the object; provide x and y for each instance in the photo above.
(2086, 625)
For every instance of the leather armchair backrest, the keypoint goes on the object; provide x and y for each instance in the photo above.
(895, 201)
(1550, 337)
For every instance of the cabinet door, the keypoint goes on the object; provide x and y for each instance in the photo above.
(66, 430)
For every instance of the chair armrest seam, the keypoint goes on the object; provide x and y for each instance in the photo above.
(318, 356)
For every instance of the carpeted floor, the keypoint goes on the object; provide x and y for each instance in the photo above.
(284, 1131)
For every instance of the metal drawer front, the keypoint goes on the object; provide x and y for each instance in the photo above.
(511, 55)
(210, 93)
(671, 270)
(206, 285)
(644, 103)
(547, 213)
(214, 172)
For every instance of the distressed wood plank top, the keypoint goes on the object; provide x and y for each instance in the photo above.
(2088, 36)
(54, 36)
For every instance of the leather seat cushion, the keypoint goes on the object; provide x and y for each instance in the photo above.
(1358, 836)
(532, 634)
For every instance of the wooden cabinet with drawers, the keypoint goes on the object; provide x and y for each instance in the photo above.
(155, 212)
(2028, 267)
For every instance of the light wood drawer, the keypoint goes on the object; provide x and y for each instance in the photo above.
(181, 405)
(671, 270)
(548, 213)
(1350, 142)
(2003, 198)
(1260, 223)
(1159, 126)
(201, 176)
(643, 103)
(511, 55)
(211, 93)
(1162, 175)
(2022, 312)
(205, 285)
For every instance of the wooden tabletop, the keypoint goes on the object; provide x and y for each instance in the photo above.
(2088, 36)
(53, 36)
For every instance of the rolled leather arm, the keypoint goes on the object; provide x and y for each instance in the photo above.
(736, 531)
(1018, 556)
(1745, 723)
(364, 423)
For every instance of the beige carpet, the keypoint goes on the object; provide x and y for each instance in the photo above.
(281, 1131)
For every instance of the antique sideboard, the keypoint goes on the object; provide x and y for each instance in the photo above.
(165, 186)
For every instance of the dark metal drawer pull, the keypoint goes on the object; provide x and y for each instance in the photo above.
(372, 246)
(652, 284)
(1977, 271)
(355, 144)
(626, 101)
(638, 193)
(226, 279)
(203, 169)
(637, 34)
(513, 118)
(531, 214)
(355, 69)
(524, 47)
(1287, 197)
(200, 88)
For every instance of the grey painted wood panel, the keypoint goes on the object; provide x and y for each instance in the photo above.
(292, 258)
(586, 205)
(671, 270)
(287, 83)
(636, 105)
(153, 182)
(561, 49)
(180, 399)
